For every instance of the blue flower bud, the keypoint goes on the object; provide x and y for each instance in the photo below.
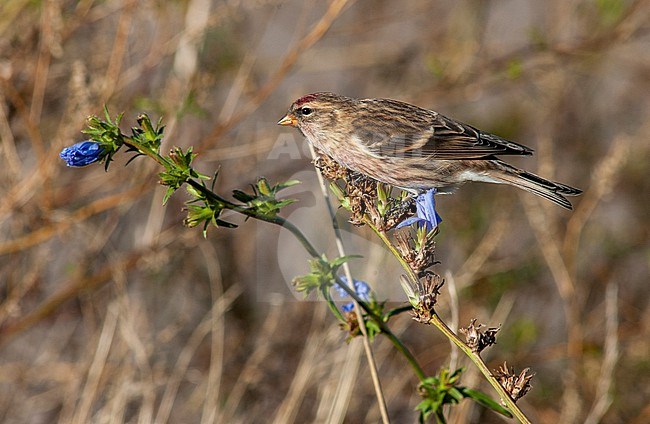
(82, 154)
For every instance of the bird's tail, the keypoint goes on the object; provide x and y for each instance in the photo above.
(535, 184)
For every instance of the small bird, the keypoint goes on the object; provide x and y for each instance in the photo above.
(412, 148)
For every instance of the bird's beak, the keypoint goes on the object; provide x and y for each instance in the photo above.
(288, 120)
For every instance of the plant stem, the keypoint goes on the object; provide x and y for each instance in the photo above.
(440, 325)
(385, 330)
(330, 303)
(478, 361)
(396, 311)
(393, 250)
(435, 320)
(372, 365)
(277, 220)
(404, 351)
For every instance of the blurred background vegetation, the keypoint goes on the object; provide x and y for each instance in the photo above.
(111, 311)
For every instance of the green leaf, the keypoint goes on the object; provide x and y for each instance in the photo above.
(343, 259)
(414, 299)
(425, 407)
(263, 187)
(306, 283)
(242, 196)
(147, 135)
(222, 223)
(372, 329)
(283, 203)
(455, 376)
(455, 394)
(383, 201)
(286, 184)
(107, 134)
(178, 169)
(263, 201)
(483, 399)
(322, 275)
(342, 198)
(168, 195)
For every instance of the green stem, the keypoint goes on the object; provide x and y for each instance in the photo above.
(330, 302)
(385, 330)
(277, 220)
(404, 351)
(440, 325)
(478, 361)
(314, 253)
(396, 311)
(394, 251)
(148, 152)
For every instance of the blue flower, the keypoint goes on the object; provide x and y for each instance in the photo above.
(82, 154)
(362, 289)
(348, 307)
(426, 211)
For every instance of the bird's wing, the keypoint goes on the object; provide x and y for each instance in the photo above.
(450, 139)
(434, 135)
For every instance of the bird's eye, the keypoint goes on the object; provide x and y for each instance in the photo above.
(306, 111)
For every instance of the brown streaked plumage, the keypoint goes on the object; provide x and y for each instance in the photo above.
(411, 147)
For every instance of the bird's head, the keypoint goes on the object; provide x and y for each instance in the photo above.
(314, 112)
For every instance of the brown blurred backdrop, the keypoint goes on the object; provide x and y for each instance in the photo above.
(112, 311)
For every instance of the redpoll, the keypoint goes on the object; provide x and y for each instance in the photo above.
(412, 148)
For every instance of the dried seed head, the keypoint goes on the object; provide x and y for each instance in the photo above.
(418, 259)
(428, 290)
(478, 340)
(351, 324)
(398, 211)
(404, 244)
(357, 210)
(516, 385)
(329, 168)
(360, 192)
(424, 257)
